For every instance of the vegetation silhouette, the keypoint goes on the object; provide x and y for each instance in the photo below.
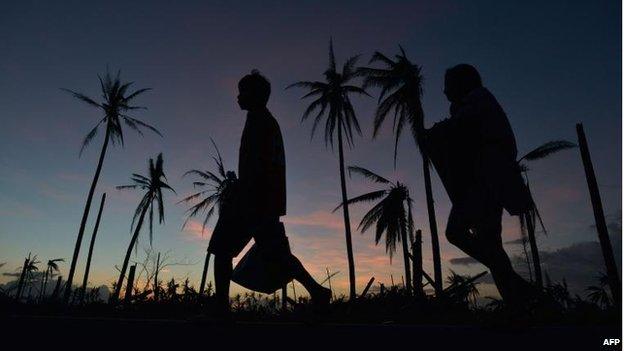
(391, 216)
(153, 185)
(116, 103)
(400, 82)
(528, 219)
(216, 189)
(332, 100)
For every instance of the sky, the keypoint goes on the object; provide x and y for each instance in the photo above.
(550, 64)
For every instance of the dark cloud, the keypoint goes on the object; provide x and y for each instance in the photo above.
(579, 264)
(514, 242)
(463, 261)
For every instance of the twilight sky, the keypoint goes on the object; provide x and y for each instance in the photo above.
(550, 64)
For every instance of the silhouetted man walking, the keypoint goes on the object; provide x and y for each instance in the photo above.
(474, 152)
(260, 199)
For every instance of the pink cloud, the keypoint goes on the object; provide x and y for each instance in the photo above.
(323, 219)
(193, 231)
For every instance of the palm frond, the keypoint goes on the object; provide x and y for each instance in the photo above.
(547, 149)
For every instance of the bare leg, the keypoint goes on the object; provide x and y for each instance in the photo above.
(223, 274)
(486, 247)
(318, 293)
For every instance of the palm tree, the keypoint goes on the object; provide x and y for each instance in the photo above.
(401, 89)
(30, 271)
(598, 294)
(332, 100)
(391, 216)
(462, 288)
(116, 102)
(153, 186)
(216, 188)
(529, 217)
(52, 267)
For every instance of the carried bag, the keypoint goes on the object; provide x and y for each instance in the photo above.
(265, 267)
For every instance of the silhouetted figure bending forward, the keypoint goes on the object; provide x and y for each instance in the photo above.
(474, 152)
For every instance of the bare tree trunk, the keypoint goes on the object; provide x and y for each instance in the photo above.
(130, 284)
(345, 211)
(85, 215)
(20, 282)
(204, 273)
(601, 225)
(433, 228)
(368, 285)
(124, 267)
(85, 279)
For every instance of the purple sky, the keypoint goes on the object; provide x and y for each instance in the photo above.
(550, 65)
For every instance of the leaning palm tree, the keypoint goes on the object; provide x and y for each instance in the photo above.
(332, 100)
(400, 81)
(153, 186)
(51, 268)
(529, 218)
(116, 103)
(391, 216)
(215, 189)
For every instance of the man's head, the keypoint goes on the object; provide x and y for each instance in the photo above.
(459, 81)
(253, 91)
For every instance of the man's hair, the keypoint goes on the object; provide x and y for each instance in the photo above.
(465, 77)
(257, 84)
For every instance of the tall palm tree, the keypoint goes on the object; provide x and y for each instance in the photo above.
(51, 268)
(391, 216)
(216, 188)
(528, 219)
(153, 186)
(116, 103)
(400, 81)
(332, 100)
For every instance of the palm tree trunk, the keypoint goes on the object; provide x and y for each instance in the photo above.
(345, 211)
(83, 290)
(85, 215)
(57, 287)
(204, 273)
(526, 258)
(44, 276)
(156, 278)
(537, 267)
(406, 263)
(417, 264)
(284, 298)
(601, 225)
(20, 282)
(130, 284)
(433, 227)
(124, 267)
